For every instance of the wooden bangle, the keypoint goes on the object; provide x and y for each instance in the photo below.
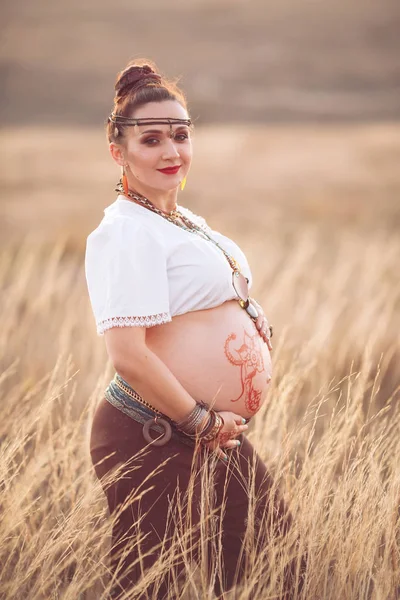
(209, 426)
(166, 436)
(213, 434)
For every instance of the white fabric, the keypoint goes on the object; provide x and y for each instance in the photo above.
(142, 270)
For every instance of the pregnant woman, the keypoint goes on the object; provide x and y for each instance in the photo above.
(191, 353)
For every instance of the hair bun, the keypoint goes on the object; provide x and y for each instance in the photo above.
(131, 76)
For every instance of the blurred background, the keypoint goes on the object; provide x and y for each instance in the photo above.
(300, 98)
(258, 61)
(296, 157)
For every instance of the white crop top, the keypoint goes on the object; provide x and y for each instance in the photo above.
(142, 270)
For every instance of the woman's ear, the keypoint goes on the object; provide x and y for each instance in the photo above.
(117, 153)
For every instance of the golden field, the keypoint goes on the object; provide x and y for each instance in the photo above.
(317, 212)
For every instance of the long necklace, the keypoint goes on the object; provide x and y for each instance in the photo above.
(239, 281)
(187, 224)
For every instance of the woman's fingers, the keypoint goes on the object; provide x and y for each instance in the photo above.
(267, 341)
(224, 437)
(239, 420)
(266, 335)
(234, 425)
(215, 446)
(238, 429)
(228, 445)
(258, 307)
(221, 453)
(232, 444)
(265, 332)
(262, 324)
(259, 322)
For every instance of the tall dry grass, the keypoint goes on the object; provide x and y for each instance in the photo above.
(329, 430)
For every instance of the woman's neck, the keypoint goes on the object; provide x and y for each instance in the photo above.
(163, 200)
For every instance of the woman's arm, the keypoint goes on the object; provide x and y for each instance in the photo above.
(148, 375)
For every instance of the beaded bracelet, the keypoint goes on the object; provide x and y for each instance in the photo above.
(190, 423)
(209, 425)
(215, 430)
(211, 429)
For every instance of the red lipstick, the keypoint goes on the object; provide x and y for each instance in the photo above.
(170, 170)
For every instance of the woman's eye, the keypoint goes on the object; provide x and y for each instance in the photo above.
(180, 137)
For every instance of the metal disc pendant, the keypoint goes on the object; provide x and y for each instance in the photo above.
(157, 441)
(240, 285)
(252, 311)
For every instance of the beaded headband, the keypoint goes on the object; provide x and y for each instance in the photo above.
(126, 121)
(130, 121)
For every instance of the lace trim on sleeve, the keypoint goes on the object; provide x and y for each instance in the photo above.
(148, 321)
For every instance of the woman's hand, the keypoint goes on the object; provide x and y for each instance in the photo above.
(233, 426)
(262, 323)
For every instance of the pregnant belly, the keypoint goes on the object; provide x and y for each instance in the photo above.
(217, 355)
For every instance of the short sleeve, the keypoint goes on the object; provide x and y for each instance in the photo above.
(126, 275)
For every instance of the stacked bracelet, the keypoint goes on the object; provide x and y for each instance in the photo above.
(212, 431)
(190, 424)
(209, 425)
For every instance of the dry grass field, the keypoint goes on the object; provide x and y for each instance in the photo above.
(317, 211)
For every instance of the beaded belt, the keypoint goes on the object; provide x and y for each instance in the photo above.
(127, 400)
(122, 396)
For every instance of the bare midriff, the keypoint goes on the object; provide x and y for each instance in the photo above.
(218, 356)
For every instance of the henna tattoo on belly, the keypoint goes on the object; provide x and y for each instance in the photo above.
(249, 358)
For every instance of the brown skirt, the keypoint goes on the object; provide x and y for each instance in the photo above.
(151, 490)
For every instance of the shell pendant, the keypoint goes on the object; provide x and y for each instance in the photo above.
(240, 286)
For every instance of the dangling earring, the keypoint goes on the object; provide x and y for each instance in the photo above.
(125, 181)
(183, 183)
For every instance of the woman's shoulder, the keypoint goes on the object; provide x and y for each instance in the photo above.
(121, 235)
(123, 221)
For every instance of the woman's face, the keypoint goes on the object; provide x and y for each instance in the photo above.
(148, 148)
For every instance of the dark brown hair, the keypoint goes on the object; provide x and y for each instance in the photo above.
(138, 84)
